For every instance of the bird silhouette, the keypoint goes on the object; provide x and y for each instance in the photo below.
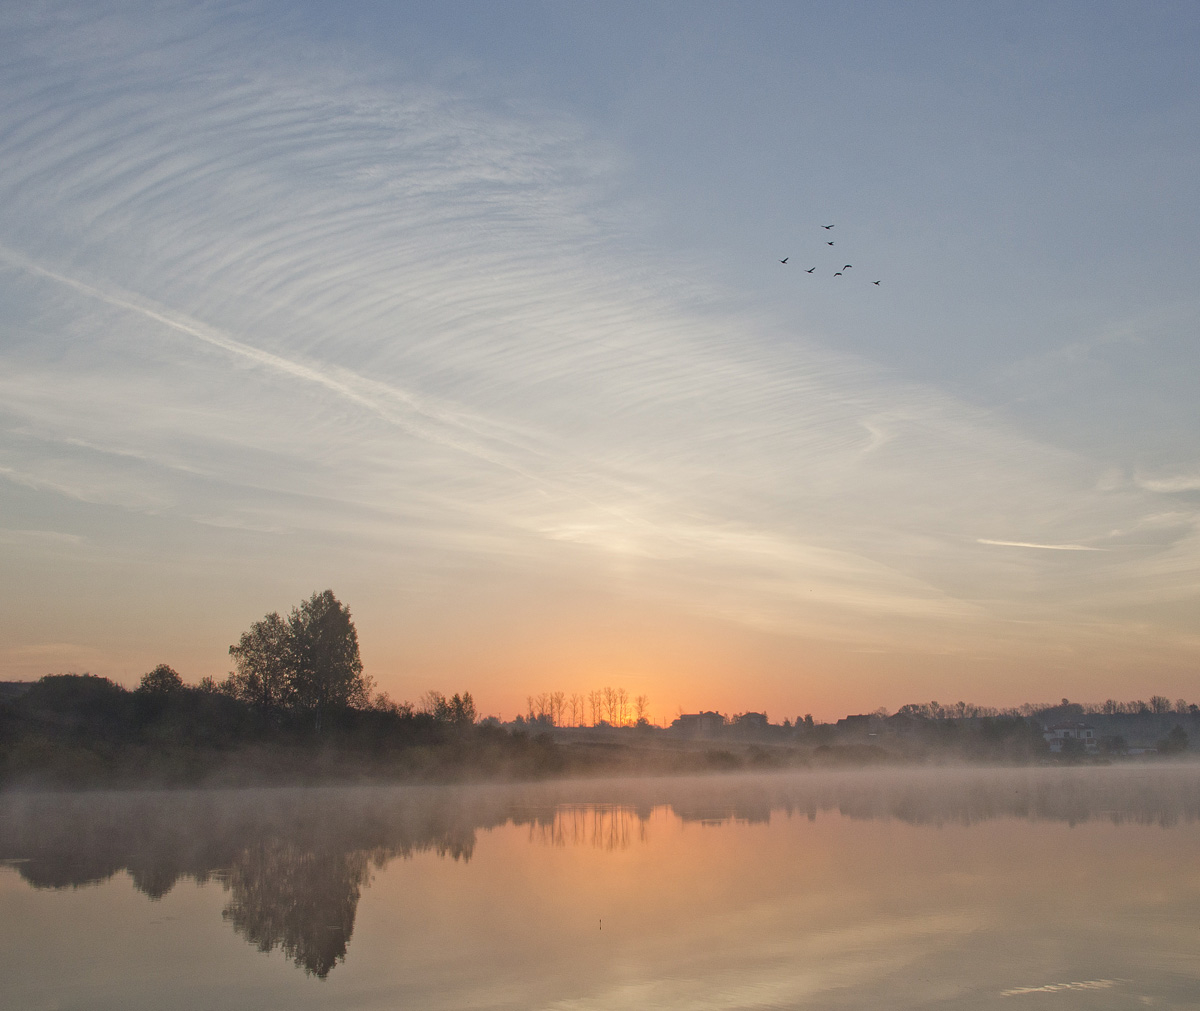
(874, 282)
(837, 273)
(848, 266)
(785, 259)
(810, 270)
(827, 227)
(829, 243)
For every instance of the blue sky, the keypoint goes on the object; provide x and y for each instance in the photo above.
(474, 313)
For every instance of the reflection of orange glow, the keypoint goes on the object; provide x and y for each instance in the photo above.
(795, 908)
(711, 895)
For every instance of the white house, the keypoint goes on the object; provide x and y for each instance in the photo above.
(1061, 732)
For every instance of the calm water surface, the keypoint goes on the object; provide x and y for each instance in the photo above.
(1014, 889)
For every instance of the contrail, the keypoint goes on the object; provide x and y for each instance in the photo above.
(278, 363)
(342, 388)
(1042, 547)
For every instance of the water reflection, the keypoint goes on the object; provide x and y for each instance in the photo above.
(600, 826)
(303, 902)
(294, 863)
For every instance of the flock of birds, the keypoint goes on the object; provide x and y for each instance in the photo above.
(836, 273)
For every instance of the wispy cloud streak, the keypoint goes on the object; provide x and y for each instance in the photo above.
(411, 320)
(1040, 547)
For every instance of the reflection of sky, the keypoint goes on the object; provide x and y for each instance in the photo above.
(829, 912)
(480, 322)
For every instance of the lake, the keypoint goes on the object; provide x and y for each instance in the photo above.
(1015, 888)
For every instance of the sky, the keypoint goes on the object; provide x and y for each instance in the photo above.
(475, 314)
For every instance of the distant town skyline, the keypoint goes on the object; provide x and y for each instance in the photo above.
(478, 315)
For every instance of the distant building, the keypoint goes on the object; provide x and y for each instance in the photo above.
(866, 725)
(751, 721)
(706, 724)
(860, 723)
(1057, 735)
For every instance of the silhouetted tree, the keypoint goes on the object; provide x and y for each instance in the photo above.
(1175, 742)
(611, 702)
(327, 671)
(641, 709)
(541, 707)
(460, 710)
(161, 681)
(577, 706)
(84, 704)
(265, 662)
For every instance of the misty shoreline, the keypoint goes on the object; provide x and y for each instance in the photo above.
(293, 862)
(509, 760)
(74, 732)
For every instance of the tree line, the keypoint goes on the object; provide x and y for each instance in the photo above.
(1158, 705)
(602, 707)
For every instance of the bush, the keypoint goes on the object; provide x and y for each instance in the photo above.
(1175, 743)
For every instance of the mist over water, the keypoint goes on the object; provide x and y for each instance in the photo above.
(1074, 887)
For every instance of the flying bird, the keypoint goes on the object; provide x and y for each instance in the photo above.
(810, 270)
(827, 227)
(837, 273)
(785, 259)
(829, 243)
(874, 282)
(848, 266)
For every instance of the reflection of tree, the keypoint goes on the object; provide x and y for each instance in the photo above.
(303, 902)
(296, 861)
(600, 826)
(753, 809)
